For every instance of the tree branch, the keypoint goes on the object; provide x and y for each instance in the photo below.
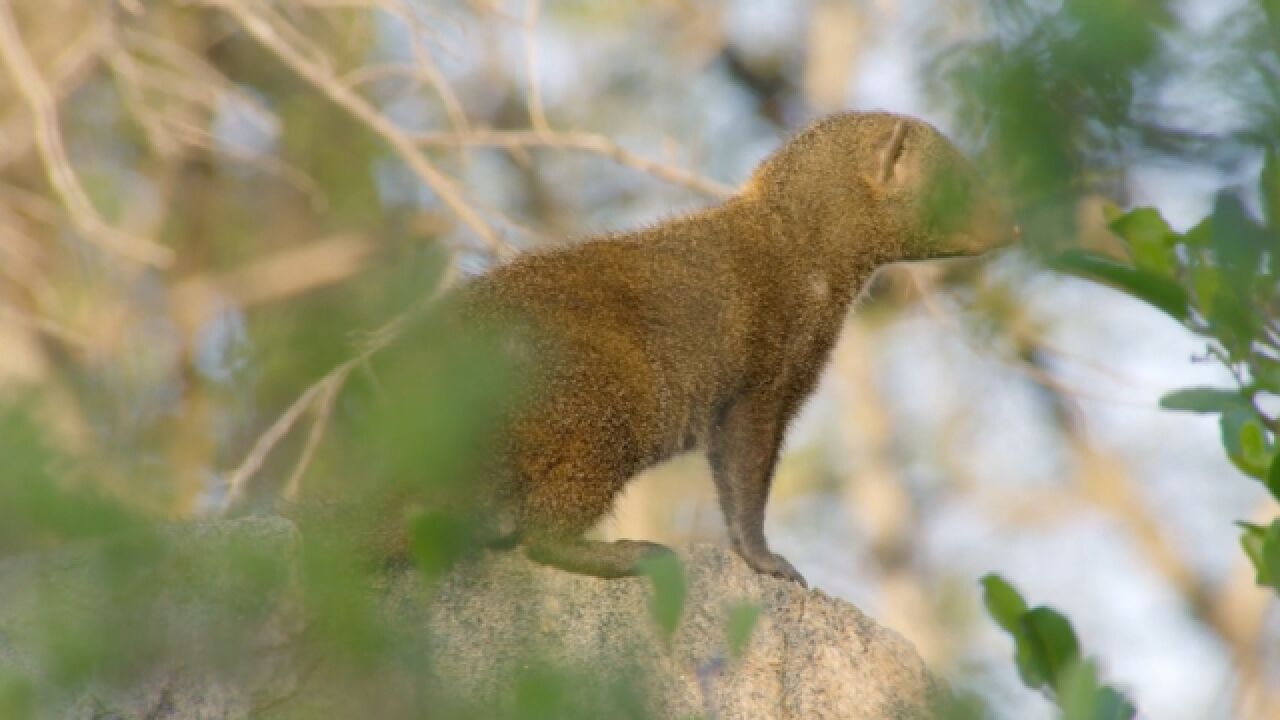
(53, 154)
(324, 79)
(586, 142)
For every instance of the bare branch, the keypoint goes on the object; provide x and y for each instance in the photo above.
(292, 176)
(282, 275)
(537, 113)
(65, 73)
(187, 75)
(427, 68)
(240, 479)
(322, 77)
(53, 154)
(62, 333)
(323, 410)
(125, 68)
(586, 142)
(926, 289)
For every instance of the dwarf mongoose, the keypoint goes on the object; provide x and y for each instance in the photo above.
(708, 331)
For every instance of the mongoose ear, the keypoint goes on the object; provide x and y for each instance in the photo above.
(891, 153)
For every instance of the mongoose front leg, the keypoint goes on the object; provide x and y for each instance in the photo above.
(621, 558)
(743, 451)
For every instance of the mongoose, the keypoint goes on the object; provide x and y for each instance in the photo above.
(708, 331)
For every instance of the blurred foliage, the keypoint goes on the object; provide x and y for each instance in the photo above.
(1221, 280)
(666, 573)
(1048, 656)
(738, 626)
(296, 231)
(1053, 90)
(1068, 96)
(147, 593)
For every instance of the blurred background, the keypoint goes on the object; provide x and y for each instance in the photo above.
(212, 213)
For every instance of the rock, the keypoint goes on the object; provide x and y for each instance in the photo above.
(193, 621)
(483, 630)
(809, 655)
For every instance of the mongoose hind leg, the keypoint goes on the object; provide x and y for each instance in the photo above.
(569, 497)
(621, 558)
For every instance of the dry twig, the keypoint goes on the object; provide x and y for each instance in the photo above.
(70, 67)
(53, 154)
(323, 409)
(586, 142)
(323, 78)
(925, 288)
(331, 384)
(537, 113)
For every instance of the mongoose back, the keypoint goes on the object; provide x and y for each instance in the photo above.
(709, 331)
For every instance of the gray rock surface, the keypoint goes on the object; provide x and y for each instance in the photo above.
(132, 628)
(809, 656)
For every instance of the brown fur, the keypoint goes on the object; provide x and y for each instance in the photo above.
(709, 331)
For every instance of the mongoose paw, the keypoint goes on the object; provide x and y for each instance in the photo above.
(770, 563)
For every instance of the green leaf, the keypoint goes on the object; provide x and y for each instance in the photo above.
(1232, 319)
(17, 699)
(667, 575)
(1200, 235)
(1271, 554)
(1253, 540)
(1149, 240)
(1246, 442)
(1003, 602)
(1083, 696)
(1273, 477)
(1051, 643)
(1262, 545)
(1254, 445)
(1203, 400)
(1032, 672)
(1266, 374)
(738, 626)
(1269, 185)
(438, 541)
(542, 692)
(1153, 289)
(1206, 281)
(1239, 243)
(1047, 654)
(1112, 705)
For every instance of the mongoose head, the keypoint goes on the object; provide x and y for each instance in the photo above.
(894, 182)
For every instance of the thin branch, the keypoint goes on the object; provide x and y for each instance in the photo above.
(65, 73)
(323, 411)
(128, 78)
(238, 483)
(324, 79)
(53, 154)
(586, 142)
(427, 68)
(294, 177)
(55, 330)
(210, 89)
(537, 113)
(275, 277)
(925, 288)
